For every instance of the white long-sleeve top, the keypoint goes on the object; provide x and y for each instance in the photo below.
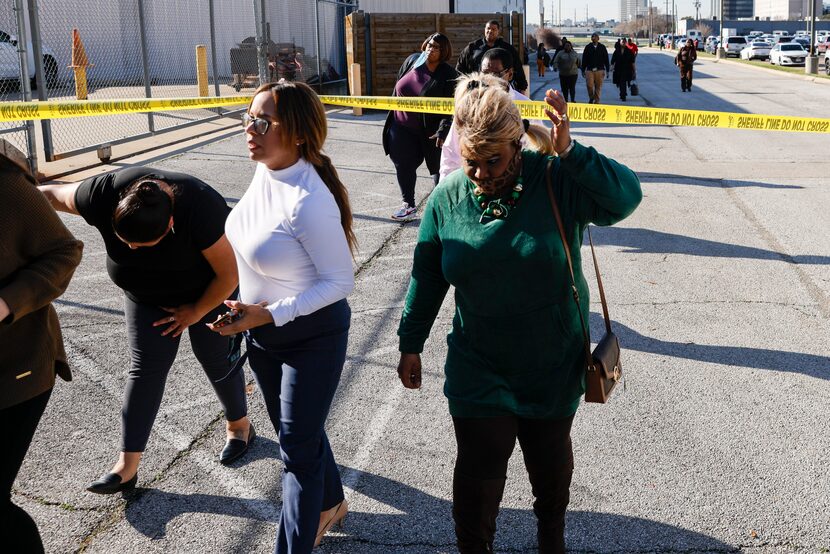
(290, 248)
(451, 151)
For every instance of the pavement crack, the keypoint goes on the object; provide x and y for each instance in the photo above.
(116, 514)
(66, 506)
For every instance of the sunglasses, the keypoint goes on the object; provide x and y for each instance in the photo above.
(261, 126)
(498, 74)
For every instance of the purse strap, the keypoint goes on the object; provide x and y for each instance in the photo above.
(558, 217)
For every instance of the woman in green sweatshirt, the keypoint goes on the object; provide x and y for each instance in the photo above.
(515, 357)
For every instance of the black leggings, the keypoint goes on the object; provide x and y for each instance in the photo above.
(152, 355)
(18, 531)
(408, 150)
(484, 449)
(568, 85)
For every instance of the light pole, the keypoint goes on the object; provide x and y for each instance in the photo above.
(811, 65)
(721, 53)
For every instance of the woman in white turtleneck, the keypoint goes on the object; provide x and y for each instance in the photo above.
(292, 236)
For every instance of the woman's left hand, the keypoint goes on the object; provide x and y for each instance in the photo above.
(560, 133)
(250, 316)
(439, 142)
(180, 318)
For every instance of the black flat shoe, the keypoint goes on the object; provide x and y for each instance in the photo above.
(236, 448)
(111, 484)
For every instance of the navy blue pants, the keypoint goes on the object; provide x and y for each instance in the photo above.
(297, 367)
(152, 355)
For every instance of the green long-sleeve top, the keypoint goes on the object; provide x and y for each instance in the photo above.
(516, 345)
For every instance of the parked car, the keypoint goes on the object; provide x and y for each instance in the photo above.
(788, 53)
(757, 50)
(711, 46)
(803, 41)
(10, 61)
(822, 43)
(734, 45)
(782, 38)
(826, 64)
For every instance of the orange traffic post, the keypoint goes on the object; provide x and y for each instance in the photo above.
(79, 65)
(202, 70)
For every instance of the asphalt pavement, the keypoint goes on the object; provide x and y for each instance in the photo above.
(719, 288)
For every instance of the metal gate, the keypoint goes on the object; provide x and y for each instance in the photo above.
(15, 67)
(147, 48)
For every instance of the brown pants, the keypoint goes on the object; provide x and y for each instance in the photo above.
(540, 67)
(686, 76)
(593, 80)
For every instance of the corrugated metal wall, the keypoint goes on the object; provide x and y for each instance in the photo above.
(487, 6)
(405, 6)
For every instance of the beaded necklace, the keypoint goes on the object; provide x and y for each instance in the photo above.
(498, 207)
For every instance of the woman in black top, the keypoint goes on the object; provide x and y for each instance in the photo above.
(409, 138)
(622, 62)
(164, 234)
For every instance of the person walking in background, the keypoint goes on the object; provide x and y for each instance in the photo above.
(542, 59)
(685, 61)
(622, 64)
(470, 58)
(292, 236)
(39, 257)
(515, 361)
(410, 138)
(567, 63)
(594, 68)
(632, 46)
(164, 233)
(496, 63)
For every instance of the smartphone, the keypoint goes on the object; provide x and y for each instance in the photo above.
(226, 318)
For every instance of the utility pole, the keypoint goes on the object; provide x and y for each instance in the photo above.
(811, 66)
(721, 53)
(697, 10)
(542, 13)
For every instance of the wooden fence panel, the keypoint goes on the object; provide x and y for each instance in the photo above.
(393, 37)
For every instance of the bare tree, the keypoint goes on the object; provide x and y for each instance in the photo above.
(705, 30)
(548, 37)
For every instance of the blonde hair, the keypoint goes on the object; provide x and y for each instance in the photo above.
(302, 120)
(486, 117)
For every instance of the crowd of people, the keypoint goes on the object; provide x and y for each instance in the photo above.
(276, 270)
(593, 64)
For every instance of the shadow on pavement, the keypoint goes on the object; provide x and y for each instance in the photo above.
(425, 521)
(646, 241)
(740, 356)
(713, 183)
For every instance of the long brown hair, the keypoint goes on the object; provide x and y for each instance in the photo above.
(302, 119)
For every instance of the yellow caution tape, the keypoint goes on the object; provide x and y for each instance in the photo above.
(598, 113)
(21, 111)
(593, 113)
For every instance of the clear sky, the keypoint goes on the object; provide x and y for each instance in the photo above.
(610, 9)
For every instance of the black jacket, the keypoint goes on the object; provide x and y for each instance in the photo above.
(595, 57)
(441, 85)
(623, 62)
(470, 60)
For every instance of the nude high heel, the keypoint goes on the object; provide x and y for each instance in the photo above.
(330, 518)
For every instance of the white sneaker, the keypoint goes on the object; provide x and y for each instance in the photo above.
(406, 213)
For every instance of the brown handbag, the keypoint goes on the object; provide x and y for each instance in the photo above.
(603, 369)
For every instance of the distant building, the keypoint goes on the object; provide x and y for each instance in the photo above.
(740, 9)
(784, 9)
(631, 9)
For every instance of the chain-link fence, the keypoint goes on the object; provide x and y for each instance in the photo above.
(147, 48)
(11, 85)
